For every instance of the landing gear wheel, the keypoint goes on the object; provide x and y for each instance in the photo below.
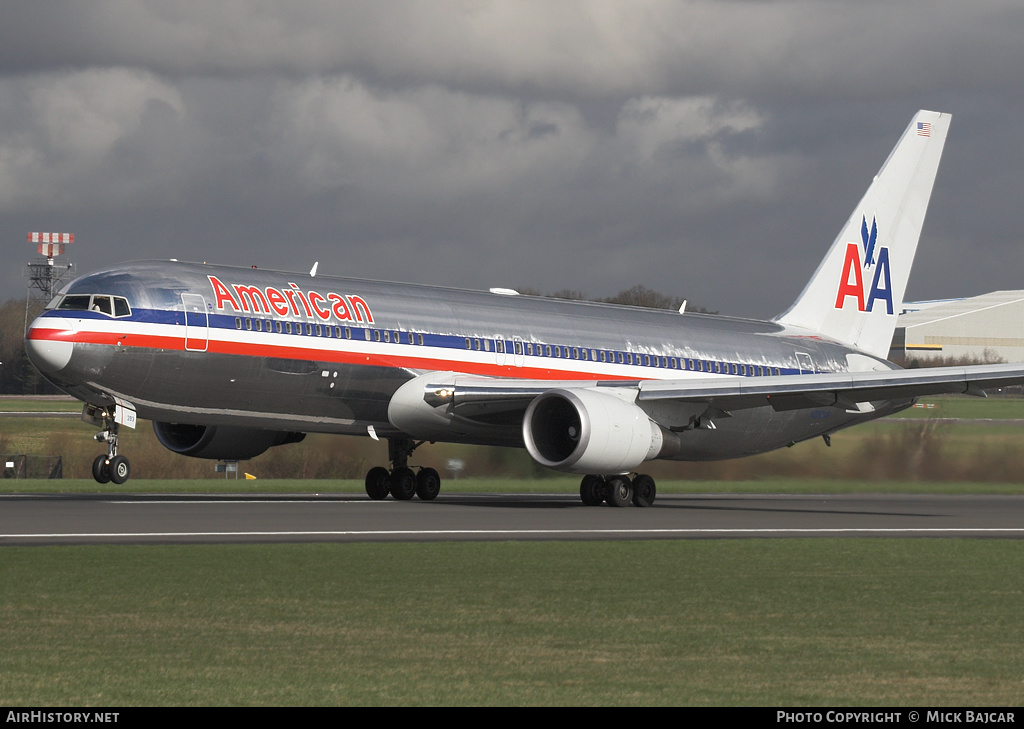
(120, 469)
(403, 484)
(644, 490)
(378, 483)
(620, 491)
(592, 490)
(101, 470)
(428, 484)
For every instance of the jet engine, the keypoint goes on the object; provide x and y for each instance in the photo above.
(220, 442)
(584, 431)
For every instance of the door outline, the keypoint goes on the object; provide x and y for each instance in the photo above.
(805, 362)
(197, 323)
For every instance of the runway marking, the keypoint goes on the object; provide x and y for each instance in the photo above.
(519, 532)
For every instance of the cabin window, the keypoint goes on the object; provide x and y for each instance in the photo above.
(547, 350)
(468, 345)
(387, 337)
(420, 338)
(319, 330)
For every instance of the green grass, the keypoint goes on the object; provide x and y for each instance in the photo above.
(52, 404)
(745, 622)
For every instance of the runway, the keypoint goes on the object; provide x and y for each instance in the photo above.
(191, 519)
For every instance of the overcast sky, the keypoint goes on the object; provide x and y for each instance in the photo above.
(710, 150)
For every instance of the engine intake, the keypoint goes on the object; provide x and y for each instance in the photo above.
(585, 431)
(220, 442)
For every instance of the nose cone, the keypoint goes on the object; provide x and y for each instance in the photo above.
(49, 344)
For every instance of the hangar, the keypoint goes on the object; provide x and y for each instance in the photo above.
(981, 329)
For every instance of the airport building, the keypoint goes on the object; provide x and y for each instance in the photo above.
(987, 328)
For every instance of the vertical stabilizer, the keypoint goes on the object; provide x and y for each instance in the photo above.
(857, 291)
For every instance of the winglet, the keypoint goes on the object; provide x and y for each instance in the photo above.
(857, 292)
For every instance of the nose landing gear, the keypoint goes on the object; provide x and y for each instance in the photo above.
(110, 467)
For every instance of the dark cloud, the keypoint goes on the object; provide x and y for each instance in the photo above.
(709, 150)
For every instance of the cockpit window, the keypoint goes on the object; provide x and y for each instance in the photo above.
(102, 305)
(110, 305)
(75, 303)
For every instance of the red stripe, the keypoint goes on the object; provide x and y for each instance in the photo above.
(248, 349)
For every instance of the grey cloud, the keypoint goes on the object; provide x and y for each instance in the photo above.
(705, 149)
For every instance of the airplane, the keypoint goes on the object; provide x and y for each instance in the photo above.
(228, 361)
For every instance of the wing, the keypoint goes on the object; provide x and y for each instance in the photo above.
(613, 426)
(490, 400)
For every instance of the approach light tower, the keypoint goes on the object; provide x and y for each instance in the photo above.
(43, 275)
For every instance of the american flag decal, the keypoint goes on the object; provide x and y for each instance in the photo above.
(924, 129)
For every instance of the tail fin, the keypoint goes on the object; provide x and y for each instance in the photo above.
(857, 291)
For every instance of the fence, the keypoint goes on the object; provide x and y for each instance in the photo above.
(23, 466)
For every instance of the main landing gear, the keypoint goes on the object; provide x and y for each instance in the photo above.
(110, 467)
(617, 490)
(401, 481)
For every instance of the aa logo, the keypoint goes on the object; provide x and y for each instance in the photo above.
(856, 269)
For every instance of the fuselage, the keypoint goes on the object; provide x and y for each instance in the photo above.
(217, 345)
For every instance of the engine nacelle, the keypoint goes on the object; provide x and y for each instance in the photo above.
(584, 431)
(220, 442)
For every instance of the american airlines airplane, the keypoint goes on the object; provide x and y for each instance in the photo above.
(228, 362)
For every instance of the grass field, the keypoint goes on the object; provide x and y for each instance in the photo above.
(745, 622)
(787, 622)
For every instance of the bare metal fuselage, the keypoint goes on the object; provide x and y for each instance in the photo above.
(214, 345)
